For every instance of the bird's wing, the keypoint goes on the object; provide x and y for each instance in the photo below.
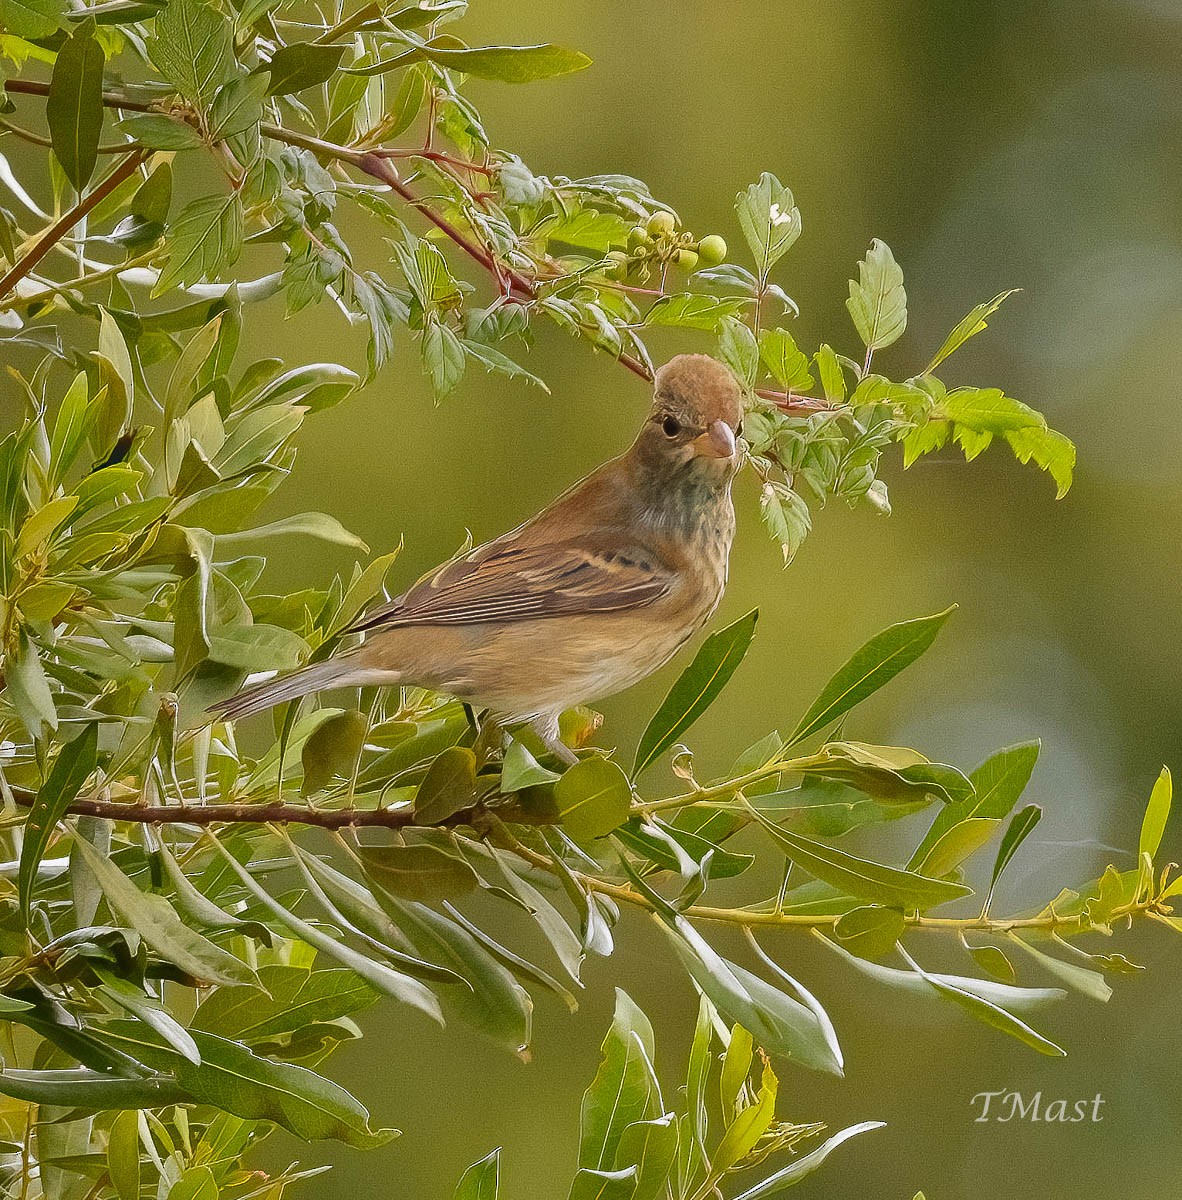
(506, 582)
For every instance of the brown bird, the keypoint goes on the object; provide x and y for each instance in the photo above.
(597, 591)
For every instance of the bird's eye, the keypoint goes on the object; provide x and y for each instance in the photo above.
(671, 426)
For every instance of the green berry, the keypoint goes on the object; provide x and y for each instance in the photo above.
(687, 260)
(617, 263)
(712, 250)
(662, 223)
(638, 237)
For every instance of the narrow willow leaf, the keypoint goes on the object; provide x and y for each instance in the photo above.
(234, 1079)
(1090, 983)
(1157, 813)
(993, 960)
(508, 64)
(736, 1066)
(482, 1180)
(651, 1148)
(792, 1174)
(696, 688)
(158, 923)
(97, 1090)
(70, 427)
(870, 931)
(425, 873)
(593, 798)
(123, 1155)
(875, 664)
(378, 975)
(197, 1183)
(1019, 829)
(74, 107)
(624, 1089)
(970, 326)
(893, 774)
(128, 997)
(28, 688)
(603, 1185)
(957, 844)
(748, 1126)
(878, 303)
(311, 524)
(70, 770)
(861, 877)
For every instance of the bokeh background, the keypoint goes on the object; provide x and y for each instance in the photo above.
(992, 145)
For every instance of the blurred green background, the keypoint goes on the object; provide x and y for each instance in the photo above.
(992, 145)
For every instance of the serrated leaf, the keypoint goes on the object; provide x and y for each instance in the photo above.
(1047, 449)
(970, 326)
(443, 357)
(237, 107)
(74, 106)
(785, 515)
(878, 303)
(191, 46)
(788, 364)
(769, 219)
(876, 663)
(696, 688)
(738, 348)
(691, 311)
(203, 241)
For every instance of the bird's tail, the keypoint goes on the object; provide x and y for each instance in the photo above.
(316, 677)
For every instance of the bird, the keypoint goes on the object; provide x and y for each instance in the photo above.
(594, 593)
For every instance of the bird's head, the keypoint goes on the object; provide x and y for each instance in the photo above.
(696, 416)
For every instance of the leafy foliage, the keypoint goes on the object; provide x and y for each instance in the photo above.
(189, 926)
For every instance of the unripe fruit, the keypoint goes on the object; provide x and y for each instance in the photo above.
(712, 250)
(617, 264)
(687, 260)
(638, 237)
(662, 224)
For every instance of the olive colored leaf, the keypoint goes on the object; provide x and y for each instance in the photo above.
(419, 872)
(482, 1180)
(792, 1174)
(603, 1185)
(31, 18)
(696, 688)
(624, 1089)
(257, 647)
(310, 524)
(861, 877)
(870, 931)
(957, 844)
(788, 364)
(993, 960)
(332, 749)
(970, 326)
(128, 997)
(157, 922)
(71, 769)
(521, 770)
(893, 774)
(593, 798)
(508, 64)
(204, 240)
(158, 132)
(234, 1079)
(448, 787)
(769, 219)
(70, 427)
(876, 663)
(237, 107)
(1017, 831)
(94, 1090)
(192, 48)
(1157, 813)
(748, 1126)
(379, 976)
(736, 1066)
(123, 1155)
(586, 228)
(785, 515)
(196, 1183)
(1080, 979)
(28, 688)
(878, 303)
(39, 526)
(74, 106)
(443, 356)
(650, 1147)
(738, 348)
(998, 783)
(302, 65)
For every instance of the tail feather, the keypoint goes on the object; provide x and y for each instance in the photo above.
(316, 677)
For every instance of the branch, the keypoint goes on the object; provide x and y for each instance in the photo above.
(58, 230)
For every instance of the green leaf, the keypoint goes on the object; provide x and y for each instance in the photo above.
(989, 410)
(482, 1180)
(1157, 813)
(74, 106)
(832, 376)
(443, 357)
(593, 798)
(870, 931)
(28, 689)
(129, 997)
(521, 770)
(792, 1174)
(651, 1148)
(232, 1078)
(603, 1185)
(749, 1125)
(893, 774)
(95, 1090)
(738, 348)
(192, 48)
(31, 18)
(586, 228)
(448, 787)
(310, 524)
(785, 516)
(969, 327)
(161, 133)
(509, 64)
(1047, 449)
(691, 311)
(788, 364)
(302, 65)
(72, 767)
(878, 303)
(204, 241)
(859, 876)
(1019, 829)
(157, 922)
(420, 872)
(258, 648)
(624, 1089)
(736, 1066)
(70, 427)
(197, 1183)
(875, 664)
(769, 219)
(123, 1155)
(332, 749)
(237, 107)
(998, 783)
(696, 688)
(1090, 983)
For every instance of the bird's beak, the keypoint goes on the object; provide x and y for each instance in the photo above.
(717, 442)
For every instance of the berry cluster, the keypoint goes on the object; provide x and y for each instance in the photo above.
(659, 243)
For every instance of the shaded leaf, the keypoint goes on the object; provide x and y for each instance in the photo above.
(74, 106)
(593, 798)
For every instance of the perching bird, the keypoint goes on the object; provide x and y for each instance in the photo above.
(597, 591)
